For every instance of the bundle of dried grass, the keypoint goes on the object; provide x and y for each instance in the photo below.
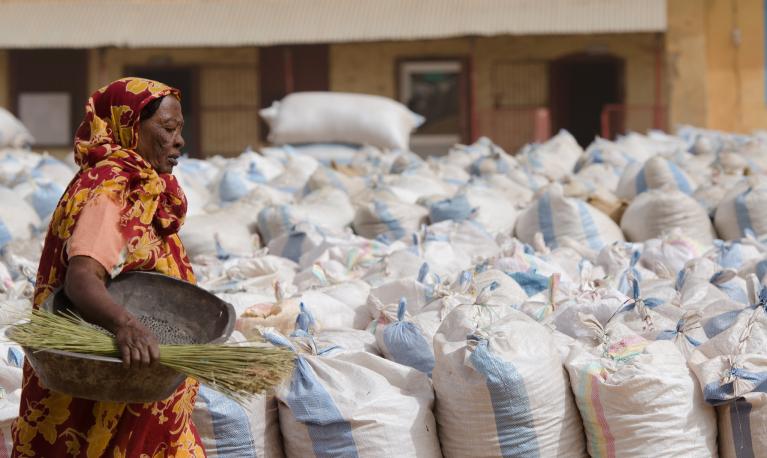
(237, 370)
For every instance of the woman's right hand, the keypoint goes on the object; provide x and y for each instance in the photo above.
(138, 346)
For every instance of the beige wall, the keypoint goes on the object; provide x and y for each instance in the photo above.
(735, 65)
(4, 74)
(716, 55)
(686, 62)
(228, 82)
(371, 67)
(638, 51)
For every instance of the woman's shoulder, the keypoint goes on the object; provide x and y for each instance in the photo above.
(97, 182)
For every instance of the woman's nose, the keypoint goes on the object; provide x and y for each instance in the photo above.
(179, 141)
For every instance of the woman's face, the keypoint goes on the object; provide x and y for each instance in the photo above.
(159, 137)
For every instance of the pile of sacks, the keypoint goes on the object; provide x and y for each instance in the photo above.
(556, 302)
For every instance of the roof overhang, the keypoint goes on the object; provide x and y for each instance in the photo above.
(195, 23)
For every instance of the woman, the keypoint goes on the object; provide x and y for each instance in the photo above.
(121, 212)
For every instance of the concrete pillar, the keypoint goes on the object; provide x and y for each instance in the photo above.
(686, 64)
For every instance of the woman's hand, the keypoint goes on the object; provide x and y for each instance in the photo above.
(85, 285)
(138, 346)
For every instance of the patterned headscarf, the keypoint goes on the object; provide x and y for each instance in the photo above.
(106, 141)
(112, 118)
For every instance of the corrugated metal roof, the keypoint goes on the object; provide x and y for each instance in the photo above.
(141, 23)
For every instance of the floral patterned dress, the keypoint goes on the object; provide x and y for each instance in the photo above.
(152, 208)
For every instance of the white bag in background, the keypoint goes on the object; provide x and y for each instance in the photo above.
(18, 220)
(554, 158)
(654, 213)
(556, 216)
(656, 173)
(12, 132)
(743, 209)
(667, 255)
(42, 194)
(389, 219)
(221, 234)
(328, 117)
(327, 208)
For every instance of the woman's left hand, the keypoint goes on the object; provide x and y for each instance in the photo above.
(85, 285)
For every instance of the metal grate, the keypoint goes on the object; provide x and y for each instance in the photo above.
(520, 97)
(229, 108)
(519, 84)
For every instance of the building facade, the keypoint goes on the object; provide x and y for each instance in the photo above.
(512, 70)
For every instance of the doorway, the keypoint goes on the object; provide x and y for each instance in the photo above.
(185, 80)
(580, 86)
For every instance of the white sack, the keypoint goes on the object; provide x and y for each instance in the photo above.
(355, 404)
(388, 219)
(231, 429)
(731, 370)
(221, 234)
(556, 216)
(327, 117)
(554, 158)
(12, 132)
(501, 389)
(654, 213)
(18, 220)
(638, 398)
(656, 173)
(743, 209)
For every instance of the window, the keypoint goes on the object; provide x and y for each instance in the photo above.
(437, 90)
(48, 93)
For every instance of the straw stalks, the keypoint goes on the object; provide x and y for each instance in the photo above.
(239, 371)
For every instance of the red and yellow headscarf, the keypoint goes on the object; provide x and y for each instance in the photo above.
(106, 140)
(112, 118)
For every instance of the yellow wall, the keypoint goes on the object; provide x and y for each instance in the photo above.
(638, 50)
(686, 62)
(228, 82)
(371, 67)
(751, 64)
(716, 62)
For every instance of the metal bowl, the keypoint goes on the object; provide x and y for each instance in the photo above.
(190, 308)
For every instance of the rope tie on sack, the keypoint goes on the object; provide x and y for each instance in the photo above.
(481, 305)
(641, 305)
(734, 361)
(689, 322)
(599, 333)
(473, 339)
(551, 293)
